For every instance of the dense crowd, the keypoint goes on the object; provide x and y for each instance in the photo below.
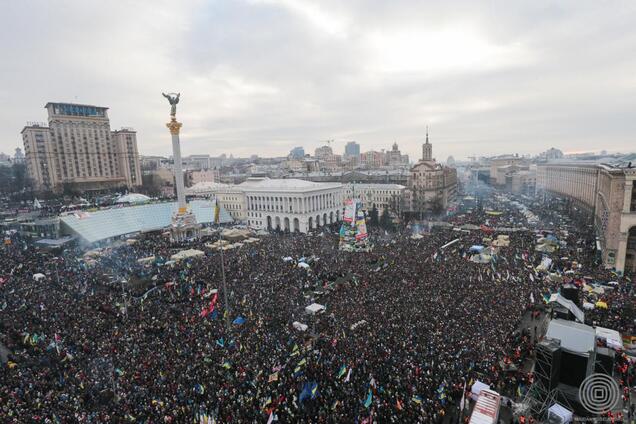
(407, 328)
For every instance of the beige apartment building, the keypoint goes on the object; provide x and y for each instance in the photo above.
(609, 193)
(78, 148)
(431, 182)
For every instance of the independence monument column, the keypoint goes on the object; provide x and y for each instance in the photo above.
(184, 222)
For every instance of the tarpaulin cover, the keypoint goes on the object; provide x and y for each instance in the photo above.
(314, 308)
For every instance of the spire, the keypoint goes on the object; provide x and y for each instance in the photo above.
(427, 149)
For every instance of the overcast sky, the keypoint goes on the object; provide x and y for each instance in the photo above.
(263, 76)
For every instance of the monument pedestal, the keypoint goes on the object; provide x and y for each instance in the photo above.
(184, 227)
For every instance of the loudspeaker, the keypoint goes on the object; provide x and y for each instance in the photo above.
(604, 361)
(573, 369)
(548, 364)
(571, 292)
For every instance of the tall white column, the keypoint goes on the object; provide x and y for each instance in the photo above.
(174, 126)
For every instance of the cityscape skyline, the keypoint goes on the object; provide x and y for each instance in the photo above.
(266, 76)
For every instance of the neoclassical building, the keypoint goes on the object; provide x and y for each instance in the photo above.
(290, 204)
(390, 196)
(609, 194)
(283, 204)
(430, 182)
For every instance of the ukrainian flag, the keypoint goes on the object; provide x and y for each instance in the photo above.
(217, 211)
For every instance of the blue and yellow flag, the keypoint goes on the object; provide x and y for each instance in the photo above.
(217, 211)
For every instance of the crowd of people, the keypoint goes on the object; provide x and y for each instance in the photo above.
(407, 328)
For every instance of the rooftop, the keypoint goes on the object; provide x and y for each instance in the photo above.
(92, 227)
(287, 184)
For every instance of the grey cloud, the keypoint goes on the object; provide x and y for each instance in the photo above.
(264, 76)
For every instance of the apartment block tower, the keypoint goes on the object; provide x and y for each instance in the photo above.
(77, 148)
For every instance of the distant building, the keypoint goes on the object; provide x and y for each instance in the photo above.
(431, 184)
(608, 194)
(198, 176)
(78, 149)
(323, 152)
(352, 149)
(5, 160)
(282, 204)
(201, 162)
(450, 161)
(390, 196)
(372, 159)
(154, 162)
(497, 176)
(523, 182)
(395, 158)
(297, 153)
(551, 154)
(18, 157)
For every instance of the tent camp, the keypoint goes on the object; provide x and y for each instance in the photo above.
(185, 254)
(299, 326)
(481, 258)
(235, 234)
(502, 241)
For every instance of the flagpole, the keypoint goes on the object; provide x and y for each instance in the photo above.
(227, 307)
(217, 212)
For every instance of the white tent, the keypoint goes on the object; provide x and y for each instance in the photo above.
(299, 326)
(587, 305)
(39, 276)
(314, 308)
(184, 254)
(303, 265)
(560, 414)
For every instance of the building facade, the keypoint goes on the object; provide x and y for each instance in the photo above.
(297, 153)
(198, 176)
(352, 149)
(395, 158)
(608, 193)
(380, 196)
(78, 148)
(278, 204)
(431, 185)
(292, 205)
(497, 175)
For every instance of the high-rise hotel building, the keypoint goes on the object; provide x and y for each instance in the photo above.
(78, 148)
